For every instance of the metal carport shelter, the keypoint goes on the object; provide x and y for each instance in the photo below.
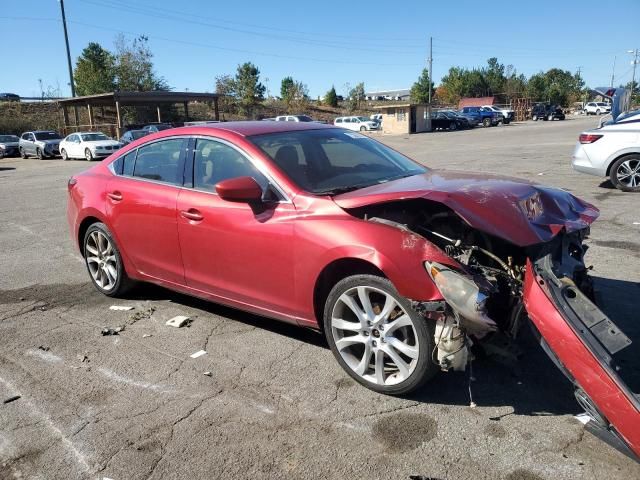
(118, 100)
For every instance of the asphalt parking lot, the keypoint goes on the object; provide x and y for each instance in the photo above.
(276, 404)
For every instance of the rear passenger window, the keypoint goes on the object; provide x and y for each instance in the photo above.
(160, 161)
(215, 161)
(129, 160)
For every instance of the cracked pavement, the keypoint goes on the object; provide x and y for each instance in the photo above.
(277, 405)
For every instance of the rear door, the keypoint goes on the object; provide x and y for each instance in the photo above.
(234, 250)
(141, 205)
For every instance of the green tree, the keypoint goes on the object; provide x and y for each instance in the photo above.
(331, 97)
(249, 90)
(226, 88)
(94, 72)
(134, 66)
(494, 77)
(420, 89)
(356, 96)
(285, 87)
(555, 86)
(297, 98)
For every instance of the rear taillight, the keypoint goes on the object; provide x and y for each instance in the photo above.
(70, 184)
(589, 138)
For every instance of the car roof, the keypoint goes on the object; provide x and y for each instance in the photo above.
(249, 128)
(84, 133)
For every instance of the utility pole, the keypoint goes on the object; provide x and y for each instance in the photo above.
(613, 71)
(430, 81)
(633, 75)
(66, 41)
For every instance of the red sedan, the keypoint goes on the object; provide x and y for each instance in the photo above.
(401, 267)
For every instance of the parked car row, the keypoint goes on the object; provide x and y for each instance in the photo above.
(88, 145)
(545, 111)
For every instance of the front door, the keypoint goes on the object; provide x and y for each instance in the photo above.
(141, 205)
(233, 250)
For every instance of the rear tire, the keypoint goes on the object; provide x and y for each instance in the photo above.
(625, 173)
(63, 153)
(550, 118)
(453, 126)
(534, 118)
(104, 262)
(390, 349)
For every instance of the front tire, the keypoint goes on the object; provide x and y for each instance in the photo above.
(534, 118)
(453, 126)
(598, 112)
(363, 129)
(23, 154)
(103, 261)
(88, 155)
(625, 173)
(550, 118)
(376, 337)
(486, 122)
(39, 154)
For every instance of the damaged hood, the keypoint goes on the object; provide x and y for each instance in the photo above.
(518, 211)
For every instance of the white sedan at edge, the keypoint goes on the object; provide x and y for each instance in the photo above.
(612, 150)
(87, 145)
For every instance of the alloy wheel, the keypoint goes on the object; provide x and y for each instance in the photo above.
(628, 173)
(101, 260)
(374, 335)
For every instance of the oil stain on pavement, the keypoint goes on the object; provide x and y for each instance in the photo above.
(403, 432)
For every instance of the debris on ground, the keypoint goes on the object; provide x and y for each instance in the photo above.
(208, 374)
(11, 399)
(179, 321)
(83, 358)
(43, 348)
(112, 331)
(198, 354)
(147, 335)
(142, 314)
(124, 308)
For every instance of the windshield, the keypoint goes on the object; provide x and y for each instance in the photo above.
(304, 118)
(601, 104)
(8, 138)
(47, 136)
(161, 127)
(94, 137)
(363, 119)
(332, 161)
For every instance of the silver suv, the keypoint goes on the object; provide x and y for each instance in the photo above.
(41, 143)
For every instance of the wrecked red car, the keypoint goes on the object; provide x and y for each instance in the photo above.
(403, 268)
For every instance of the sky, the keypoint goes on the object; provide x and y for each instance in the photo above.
(340, 43)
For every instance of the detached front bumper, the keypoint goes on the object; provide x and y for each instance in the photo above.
(581, 340)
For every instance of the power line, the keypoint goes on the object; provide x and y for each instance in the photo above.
(238, 50)
(179, 17)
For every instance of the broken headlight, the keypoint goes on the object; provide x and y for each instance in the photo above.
(463, 295)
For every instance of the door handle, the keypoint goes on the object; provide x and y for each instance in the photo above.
(115, 196)
(192, 214)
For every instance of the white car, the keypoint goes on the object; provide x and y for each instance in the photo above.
(376, 117)
(507, 114)
(596, 108)
(87, 145)
(359, 124)
(613, 151)
(294, 118)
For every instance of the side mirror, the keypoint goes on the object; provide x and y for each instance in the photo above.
(239, 189)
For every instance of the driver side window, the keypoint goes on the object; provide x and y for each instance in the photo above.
(215, 161)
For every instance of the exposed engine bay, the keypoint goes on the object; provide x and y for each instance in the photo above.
(484, 295)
